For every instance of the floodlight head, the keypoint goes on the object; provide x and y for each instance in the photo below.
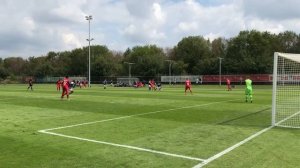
(89, 17)
(129, 63)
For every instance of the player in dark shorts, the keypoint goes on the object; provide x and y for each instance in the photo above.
(30, 84)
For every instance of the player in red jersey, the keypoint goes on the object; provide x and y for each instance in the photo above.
(153, 85)
(58, 84)
(188, 86)
(65, 87)
(228, 84)
(84, 83)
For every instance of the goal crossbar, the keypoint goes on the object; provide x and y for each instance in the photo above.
(293, 57)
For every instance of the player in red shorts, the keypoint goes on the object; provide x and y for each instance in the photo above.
(228, 84)
(188, 86)
(58, 84)
(153, 85)
(65, 87)
(84, 83)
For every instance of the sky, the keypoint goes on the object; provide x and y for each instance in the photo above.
(35, 27)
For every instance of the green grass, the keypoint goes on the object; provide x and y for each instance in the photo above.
(199, 125)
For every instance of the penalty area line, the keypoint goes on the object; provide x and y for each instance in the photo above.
(136, 115)
(218, 155)
(6, 98)
(124, 146)
(47, 131)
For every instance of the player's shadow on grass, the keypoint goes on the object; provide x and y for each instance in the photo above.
(259, 118)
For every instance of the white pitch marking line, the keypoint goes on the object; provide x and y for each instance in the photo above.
(123, 146)
(205, 162)
(7, 98)
(278, 124)
(126, 146)
(130, 116)
(241, 143)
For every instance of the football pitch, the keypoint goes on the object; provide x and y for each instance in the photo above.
(133, 128)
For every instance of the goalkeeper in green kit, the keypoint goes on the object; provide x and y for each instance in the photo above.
(248, 90)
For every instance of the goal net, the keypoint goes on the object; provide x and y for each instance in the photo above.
(286, 90)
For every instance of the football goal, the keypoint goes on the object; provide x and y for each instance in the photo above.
(286, 90)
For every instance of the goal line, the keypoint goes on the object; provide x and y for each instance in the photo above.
(220, 154)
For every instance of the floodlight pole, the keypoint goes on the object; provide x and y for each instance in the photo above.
(170, 64)
(129, 70)
(220, 70)
(89, 18)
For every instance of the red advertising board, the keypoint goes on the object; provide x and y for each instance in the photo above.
(263, 78)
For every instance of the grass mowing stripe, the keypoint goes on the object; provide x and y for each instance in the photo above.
(129, 116)
(191, 131)
(220, 154)
(6, 98)
(126, 146)
(123, 146)
(243, 116)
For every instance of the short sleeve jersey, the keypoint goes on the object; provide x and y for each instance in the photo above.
(248, 83)
(188, 83)
(66, 83)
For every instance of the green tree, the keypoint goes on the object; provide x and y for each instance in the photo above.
(289, 42)
(251, 52)
(44, 69)
(63, 64)
(28, 70)
(3, 72)
(179, 68)
(78, 61)
(149, 61)
(248, 52)
(104, 62)
(237, 57)
(260, 49)
(218, 50)
(193, 51)
(14, 65)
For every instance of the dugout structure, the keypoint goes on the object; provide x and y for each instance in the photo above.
(181, 79)
(52, 79)
(127, 81)
(286, 90)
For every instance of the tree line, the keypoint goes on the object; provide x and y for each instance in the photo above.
(250, 52)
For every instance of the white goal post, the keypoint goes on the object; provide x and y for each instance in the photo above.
(286, 90)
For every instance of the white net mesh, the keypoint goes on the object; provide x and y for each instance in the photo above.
(287, 103)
